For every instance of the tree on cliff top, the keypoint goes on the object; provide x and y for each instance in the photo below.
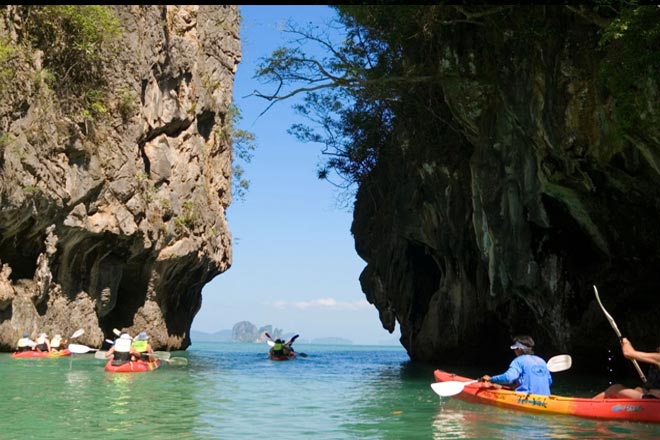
(389, 62)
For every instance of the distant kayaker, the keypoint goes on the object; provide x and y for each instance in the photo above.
(122, 350)
(142, 346)
(651, 389)
(57, 344)
(43, 344)
(25, 343)
(280, 348)
(527, 372)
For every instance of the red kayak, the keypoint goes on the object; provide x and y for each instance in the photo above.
(632, 410)
(40, 354)
(283, 357)
(132, 366)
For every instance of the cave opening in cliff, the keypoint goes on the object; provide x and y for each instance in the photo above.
(569, 245)
(131, 295)
(426, 278)
(21, 256)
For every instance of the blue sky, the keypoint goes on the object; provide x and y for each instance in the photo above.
(294, 260)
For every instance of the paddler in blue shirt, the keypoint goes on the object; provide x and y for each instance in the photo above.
(527, 371)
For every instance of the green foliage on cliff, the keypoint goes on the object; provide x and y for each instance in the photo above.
(6, 52)
(76, 43)
(243, 146)
(385, 83)
(632, 40)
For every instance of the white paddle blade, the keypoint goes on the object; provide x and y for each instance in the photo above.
(78, 333)
(560, 362)
(449, 388)
(80, 349)
(271, 343)
(162, 355)
(100, 355)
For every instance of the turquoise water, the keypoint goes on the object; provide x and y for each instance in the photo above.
(232, 391)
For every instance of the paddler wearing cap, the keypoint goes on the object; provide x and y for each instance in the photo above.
(142, 346)
(527, 372)
(25, 343)
(122, 350)
(43, 343)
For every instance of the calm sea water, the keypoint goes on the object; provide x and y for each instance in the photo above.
(232, 391)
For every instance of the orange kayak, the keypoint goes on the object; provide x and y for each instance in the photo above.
(132, 366)
(40, 354)
(633, 410)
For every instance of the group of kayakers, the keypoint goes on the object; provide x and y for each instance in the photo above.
(126, 349)
(529, 373)
(42, 343)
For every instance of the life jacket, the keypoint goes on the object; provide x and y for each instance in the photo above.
(140, 346)
(278, 348)
(122, 352)
(24, 344)
(55, 343)
(41, 344)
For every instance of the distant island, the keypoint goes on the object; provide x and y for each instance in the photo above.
(245, 331)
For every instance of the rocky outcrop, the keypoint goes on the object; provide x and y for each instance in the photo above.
(119, 221)
(517, 185)
(245, 331)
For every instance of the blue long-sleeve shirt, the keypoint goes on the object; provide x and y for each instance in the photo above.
(529, 372)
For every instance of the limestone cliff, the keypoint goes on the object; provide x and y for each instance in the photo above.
(520, 180)
(117, 220)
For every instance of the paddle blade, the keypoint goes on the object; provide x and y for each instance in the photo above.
(177, 361)
(78, 333)
(100, 355)
(79, 349)
(449, 388)
(271, 343)
(560, 362)
(162, 355)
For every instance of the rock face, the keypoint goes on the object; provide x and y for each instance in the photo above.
(120, 222)
(517, 188)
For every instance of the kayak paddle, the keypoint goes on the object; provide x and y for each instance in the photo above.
(100, 355)
(561, 362)
(80, 349)
(450, 388)
(162, 355)
(618, 333)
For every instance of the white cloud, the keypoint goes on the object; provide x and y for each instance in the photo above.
(322, 303)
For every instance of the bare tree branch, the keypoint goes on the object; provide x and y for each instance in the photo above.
(589, 16)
